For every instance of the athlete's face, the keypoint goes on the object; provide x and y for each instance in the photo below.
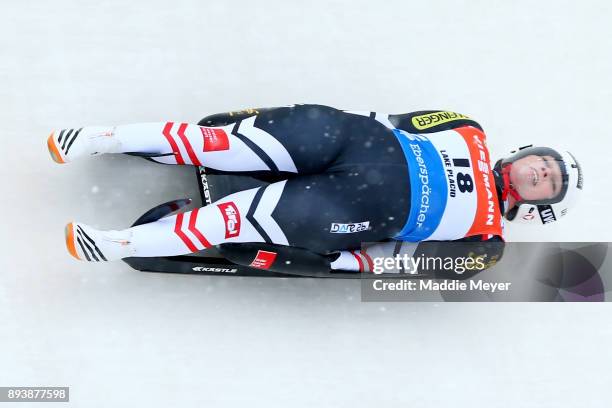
(536, 177)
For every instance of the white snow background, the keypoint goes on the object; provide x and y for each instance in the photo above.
(529, 72)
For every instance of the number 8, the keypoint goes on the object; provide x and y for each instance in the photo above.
(465, 182)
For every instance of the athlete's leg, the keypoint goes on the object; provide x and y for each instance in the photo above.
(303, 139)
(240, 217)
(322, 213)
(363, 196)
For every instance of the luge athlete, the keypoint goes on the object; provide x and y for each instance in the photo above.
(343, 178)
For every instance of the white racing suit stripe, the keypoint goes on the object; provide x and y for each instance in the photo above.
(270, 145)
(263, 213)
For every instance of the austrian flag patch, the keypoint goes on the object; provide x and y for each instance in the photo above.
(215, 139)
(263, 260)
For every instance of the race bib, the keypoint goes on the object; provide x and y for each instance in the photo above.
(452, 186)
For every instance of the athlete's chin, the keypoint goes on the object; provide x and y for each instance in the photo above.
(528, 194)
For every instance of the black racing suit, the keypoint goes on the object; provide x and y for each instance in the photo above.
(351, 169)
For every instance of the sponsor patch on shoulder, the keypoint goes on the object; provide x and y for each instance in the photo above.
(430, 120)
(337, 228)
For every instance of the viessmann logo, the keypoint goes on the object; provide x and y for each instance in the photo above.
(230, 214)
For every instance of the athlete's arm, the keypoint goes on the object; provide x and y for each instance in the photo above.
(413, 256)
(485, 251)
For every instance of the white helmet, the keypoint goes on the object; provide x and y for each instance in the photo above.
(547, 210)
